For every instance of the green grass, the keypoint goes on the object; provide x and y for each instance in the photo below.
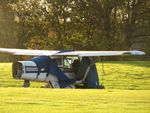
(126, 75)
(127, 91)
(33, 100)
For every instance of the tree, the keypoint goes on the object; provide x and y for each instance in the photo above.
(136, 24)
(32, 18)
(82, 24)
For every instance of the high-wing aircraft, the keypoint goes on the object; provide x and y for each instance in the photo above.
(60, 69)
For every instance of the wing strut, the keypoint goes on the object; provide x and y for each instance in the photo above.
(87, 71)
(103, 73)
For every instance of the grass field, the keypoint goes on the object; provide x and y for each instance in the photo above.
(127, 91)
(33, 100)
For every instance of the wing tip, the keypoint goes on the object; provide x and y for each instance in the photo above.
(135, 52)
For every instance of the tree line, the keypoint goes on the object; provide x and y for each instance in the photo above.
(82, 24)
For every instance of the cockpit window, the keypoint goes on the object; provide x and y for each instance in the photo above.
(67, 63)
(64, 62)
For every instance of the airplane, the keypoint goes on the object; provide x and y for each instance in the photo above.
(61, 69)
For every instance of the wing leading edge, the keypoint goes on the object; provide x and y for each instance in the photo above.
(68, 53)
(28, 52)
(99, 53)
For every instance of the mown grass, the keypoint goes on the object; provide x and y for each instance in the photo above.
(33, 100)
(118, 97)
(126, 75)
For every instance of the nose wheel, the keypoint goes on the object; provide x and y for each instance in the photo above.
(26, 83)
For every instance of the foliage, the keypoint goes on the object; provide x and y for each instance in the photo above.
(32, 18)
(83, 24)
(42, 43)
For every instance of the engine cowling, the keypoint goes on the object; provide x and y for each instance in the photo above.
(28, 70)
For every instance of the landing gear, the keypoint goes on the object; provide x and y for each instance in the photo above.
(101, 87)
(26, 83)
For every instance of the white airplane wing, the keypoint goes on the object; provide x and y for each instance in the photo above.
(68, 53)
(28, 52)
(99, 53)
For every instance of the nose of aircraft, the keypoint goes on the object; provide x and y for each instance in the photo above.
(17, 70)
